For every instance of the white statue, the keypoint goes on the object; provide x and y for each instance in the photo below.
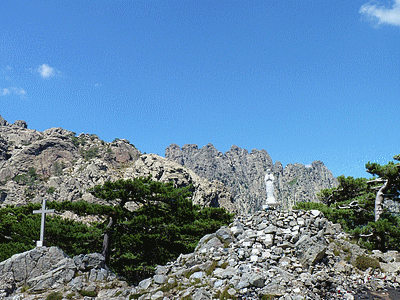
(269, 184)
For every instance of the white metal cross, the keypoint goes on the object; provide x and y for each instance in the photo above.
(42, 211)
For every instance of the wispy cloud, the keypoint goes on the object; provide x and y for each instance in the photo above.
(5, 92)
(46, 72)
(12, 91)
(382, 14)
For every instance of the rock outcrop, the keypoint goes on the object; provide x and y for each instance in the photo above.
(290, 255)
(243, 174)
(58, 165)
(43, 269)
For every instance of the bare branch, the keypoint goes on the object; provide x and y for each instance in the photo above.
(378, 180)
(351, 205)
(366, 235)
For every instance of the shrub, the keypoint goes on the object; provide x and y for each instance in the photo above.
(268, 297)
(135, 296)
(25, 288)
(51, 190)
(88, 293)
(211, 268)
(91, 153)
(364, 262)
(54, 296)
(70, 296)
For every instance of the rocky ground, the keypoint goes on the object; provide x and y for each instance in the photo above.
(287, 255)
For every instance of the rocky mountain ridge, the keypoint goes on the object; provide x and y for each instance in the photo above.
(58, 165)
(243, 174)
(281, 255)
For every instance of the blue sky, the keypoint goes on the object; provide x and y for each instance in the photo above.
(305, 80)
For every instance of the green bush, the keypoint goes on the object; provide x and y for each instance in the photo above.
(364, 262)
(51, 190)
(269, 297)
(70, 295)
(90, 153)
(20, 228)
(54, 296)
(88, 293)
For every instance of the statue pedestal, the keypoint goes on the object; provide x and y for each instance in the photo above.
(270, 204)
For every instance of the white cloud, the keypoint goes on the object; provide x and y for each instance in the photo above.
(19, 91)
(46, 71)
(5, 92)
(381, 14)
(12, 90)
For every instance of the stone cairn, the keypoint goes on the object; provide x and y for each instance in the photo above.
(290, 255)
(287, 255)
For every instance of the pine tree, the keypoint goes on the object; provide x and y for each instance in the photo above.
(141, 191)
(389, 177)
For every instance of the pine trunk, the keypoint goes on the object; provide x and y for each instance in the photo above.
(379, 199)
(107, 240)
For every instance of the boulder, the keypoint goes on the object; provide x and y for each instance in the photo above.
(308, 251)
(45, 268)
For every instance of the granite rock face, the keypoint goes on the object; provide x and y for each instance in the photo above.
(243, 173)
(59, 165)
(42, 269)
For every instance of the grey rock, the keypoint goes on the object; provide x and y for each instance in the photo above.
(197, 275)
(229, 272)
(76, 163)
(144, 284)
(161, 270)
(224, 235)
(21, 124)
(243, 173)
(256, 280)
(273, 288)
(76, 284)
(3, 122)
(160, 279)
(213, 242)
(157, 295)
(47, 268)
(253, 267)
(308, 251)
(202, 294)
(93, 260)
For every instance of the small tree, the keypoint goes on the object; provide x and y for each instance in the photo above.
(358, 205)
(389, 177)
(165, 224)
(141, 191)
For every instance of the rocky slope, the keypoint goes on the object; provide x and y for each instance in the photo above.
(58, 165)
(290, 255)
(243, 174)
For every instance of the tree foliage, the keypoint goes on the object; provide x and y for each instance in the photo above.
(20, 229)
(353, 204)
(389, 177)
(165, 225)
